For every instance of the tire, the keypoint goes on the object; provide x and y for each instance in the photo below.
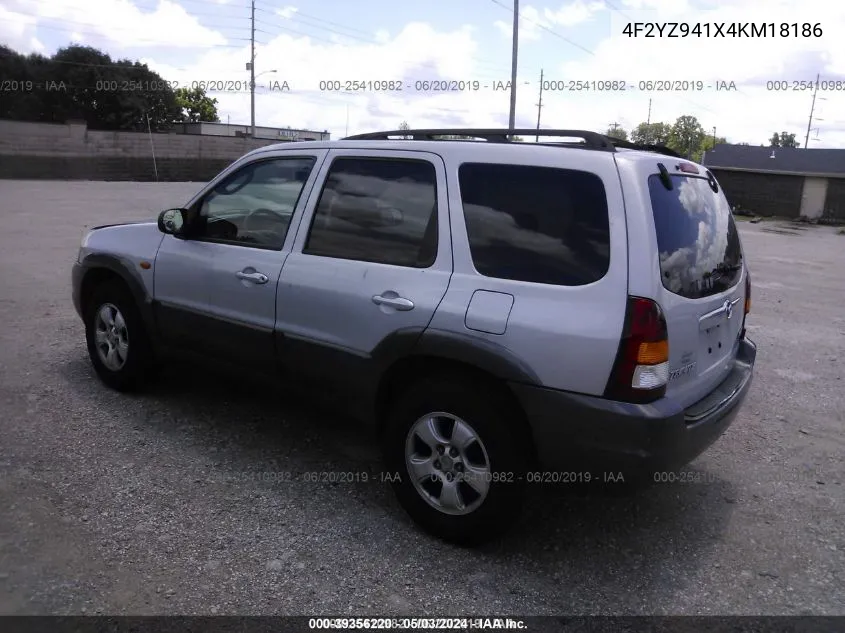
(137, 358)
(479, 406)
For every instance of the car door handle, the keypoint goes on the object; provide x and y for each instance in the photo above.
(398, 303)
(256, 278)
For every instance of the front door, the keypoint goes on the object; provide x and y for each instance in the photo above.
(215, 288)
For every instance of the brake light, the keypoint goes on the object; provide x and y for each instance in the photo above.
(747, 292)
(641, 371)
(688, 168)
(747, 303)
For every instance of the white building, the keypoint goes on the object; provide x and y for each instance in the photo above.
(270, 133)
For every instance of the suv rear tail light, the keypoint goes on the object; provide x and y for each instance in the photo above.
(641, 370)
(747, 303)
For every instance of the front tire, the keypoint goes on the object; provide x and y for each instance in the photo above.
(118, 344)
(461, 452)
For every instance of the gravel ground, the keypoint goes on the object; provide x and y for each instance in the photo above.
(165, 502)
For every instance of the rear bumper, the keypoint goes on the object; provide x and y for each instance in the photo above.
(577, 431)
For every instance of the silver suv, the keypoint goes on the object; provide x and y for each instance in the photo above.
(503, 313)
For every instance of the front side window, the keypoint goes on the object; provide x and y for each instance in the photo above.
(537, 224)
(377, 210)
(253, 206)
(700, 253)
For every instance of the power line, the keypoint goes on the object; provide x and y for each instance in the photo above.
(295, 17)
(368, 39)
(299, 14)
(545, 28)
(613, 7)
(126, 29)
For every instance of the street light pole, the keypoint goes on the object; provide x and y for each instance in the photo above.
(252, 95)
(513, 63)
(252, 74)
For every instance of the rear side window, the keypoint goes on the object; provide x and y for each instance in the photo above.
(377, 210)
(700, 252)
(536, 224)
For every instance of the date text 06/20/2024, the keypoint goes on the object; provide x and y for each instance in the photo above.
(723, 29)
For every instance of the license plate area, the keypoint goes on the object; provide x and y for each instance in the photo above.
(715, 335)
(714, 345)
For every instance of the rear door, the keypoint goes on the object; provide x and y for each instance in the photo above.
(371, 257)
(701, 270)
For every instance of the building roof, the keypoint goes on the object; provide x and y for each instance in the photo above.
(787, 160)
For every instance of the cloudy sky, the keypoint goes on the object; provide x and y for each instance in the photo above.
(470, 41)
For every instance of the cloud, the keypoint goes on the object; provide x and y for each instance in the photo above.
(573, 13)
(751, 112)
(17, 30)
(121, 24)
(286, 12)
(533, 22)
(182, 47)
(530, 21)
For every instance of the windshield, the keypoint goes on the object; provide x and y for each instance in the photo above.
(700, 252)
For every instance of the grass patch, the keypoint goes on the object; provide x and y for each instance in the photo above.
(841, 231)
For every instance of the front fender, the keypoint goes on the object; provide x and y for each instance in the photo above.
(94, 264)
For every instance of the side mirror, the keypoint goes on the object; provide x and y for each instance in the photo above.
(171, 221)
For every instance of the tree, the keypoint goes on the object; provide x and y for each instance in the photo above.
(404, 126)
(708, 144)
(651, 134)
(686, 136)
(784, 139)
(81, 82)
(196, 106)
(616, 131)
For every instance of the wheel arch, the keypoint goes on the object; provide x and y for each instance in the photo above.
(102, 268)
(474, 360)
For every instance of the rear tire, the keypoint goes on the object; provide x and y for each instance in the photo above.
(118, 344)
(446, 410)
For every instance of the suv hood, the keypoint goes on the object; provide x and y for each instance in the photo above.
(128, 240)
(106, 226)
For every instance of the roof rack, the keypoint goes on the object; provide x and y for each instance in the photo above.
(592, 140)
(658, 149)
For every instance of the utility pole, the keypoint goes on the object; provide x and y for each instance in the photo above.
(252, 73)
(539, 107)
(648, 120)
(714, 136)
(513, 63)
(812, 109)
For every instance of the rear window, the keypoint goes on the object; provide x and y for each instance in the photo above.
(536, 224)
(700, 253)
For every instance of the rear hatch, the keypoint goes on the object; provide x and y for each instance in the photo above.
(702, 273)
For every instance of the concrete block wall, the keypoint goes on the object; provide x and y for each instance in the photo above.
(764, 194)
(72, 152)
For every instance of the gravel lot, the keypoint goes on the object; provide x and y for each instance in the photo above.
(164, 503)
